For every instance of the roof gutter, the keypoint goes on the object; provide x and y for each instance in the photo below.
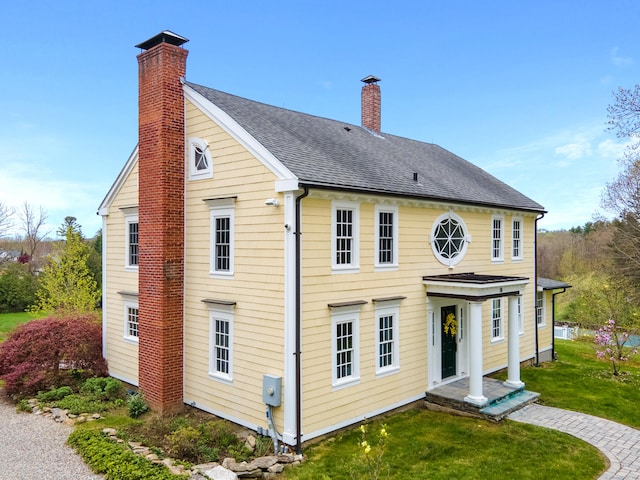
(535, 283)
(298, 352)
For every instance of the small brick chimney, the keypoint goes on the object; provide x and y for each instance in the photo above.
(161, 153)
(371, 104)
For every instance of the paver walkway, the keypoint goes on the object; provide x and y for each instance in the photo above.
(621, 444)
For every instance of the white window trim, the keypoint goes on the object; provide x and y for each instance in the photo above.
(500, 257)
(224, 313)
(394, 251)
(344, 315)
(127, 305)
(499, 338)
(354, 266)
(223, 208)
(450, 262)
(541, 309)
(195, 174)
(390, 309)
(129, 219)
(520, 255)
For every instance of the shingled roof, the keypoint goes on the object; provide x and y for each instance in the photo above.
(326, 153)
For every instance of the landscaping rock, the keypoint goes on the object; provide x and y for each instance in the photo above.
(220, 473)
(264, 462)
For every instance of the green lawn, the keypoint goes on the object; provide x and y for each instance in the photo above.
(9, 321)
(425, 444)
(422, 444)
(578, 381)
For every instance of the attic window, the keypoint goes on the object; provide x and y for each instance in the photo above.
(449, 239)
(200, 163)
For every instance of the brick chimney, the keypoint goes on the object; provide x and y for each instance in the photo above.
(371, 103)
(161, 153)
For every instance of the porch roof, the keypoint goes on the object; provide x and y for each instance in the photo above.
(472, 286)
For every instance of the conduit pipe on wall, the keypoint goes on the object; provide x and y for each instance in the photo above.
(298, 352)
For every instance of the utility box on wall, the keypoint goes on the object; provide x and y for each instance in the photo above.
(271, 390)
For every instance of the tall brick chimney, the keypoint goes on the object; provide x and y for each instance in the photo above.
(161, 153)
(371, 103)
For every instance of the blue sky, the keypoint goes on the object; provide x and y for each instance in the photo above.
(519, 88)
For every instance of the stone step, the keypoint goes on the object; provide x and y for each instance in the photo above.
(500, 409)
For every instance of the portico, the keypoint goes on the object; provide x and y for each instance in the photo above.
(458, 354)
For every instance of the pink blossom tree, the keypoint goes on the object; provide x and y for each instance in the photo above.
(610, 342)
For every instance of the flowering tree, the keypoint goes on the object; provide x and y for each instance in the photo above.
(610, 342)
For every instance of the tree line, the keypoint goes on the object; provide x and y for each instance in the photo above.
(601, 259)
(61, 276)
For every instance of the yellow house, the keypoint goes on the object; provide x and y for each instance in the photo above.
(258, 259)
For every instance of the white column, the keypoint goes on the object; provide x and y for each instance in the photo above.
(513, 379)
(474, 338)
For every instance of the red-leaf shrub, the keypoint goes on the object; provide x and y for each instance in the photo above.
(51, 352)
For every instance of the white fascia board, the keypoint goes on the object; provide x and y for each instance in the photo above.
(287, 185)
(234, 129)
(474, 289)
(103, 209)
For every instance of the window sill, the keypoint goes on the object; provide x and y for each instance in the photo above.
(497, 340)
(386, 268)
(340, 269)
(219, 377)
(131, 268)
(131, 340)
(385, 372)
(221, 276)
(345, 383)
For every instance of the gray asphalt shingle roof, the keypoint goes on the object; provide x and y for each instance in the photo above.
(332, 154)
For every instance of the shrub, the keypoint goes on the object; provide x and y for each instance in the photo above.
(55, 394)
(77, 404)
(51, 352)
(136, 406)
(103, 388)
(187, 443)
(17, 288)
(115, 461)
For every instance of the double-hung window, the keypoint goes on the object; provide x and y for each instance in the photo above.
(540, 315)
(387, 348)
(496, 320)
(345, 346)
(520, 316)
(131, 323)
(132, 253)
(221, 343)
(222, 237)
(497, 238)
(516, 238)
(386, 237)
(345, 234)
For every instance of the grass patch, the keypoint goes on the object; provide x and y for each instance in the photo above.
(579, 381)
(9, 322)
(422, 444)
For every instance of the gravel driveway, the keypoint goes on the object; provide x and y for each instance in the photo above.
(34, 448)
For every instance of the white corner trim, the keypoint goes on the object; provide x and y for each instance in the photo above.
(234, 129)
(103, 209)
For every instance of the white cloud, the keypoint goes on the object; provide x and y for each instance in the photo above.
(611, 149)
(619, 60)
(575, 151)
